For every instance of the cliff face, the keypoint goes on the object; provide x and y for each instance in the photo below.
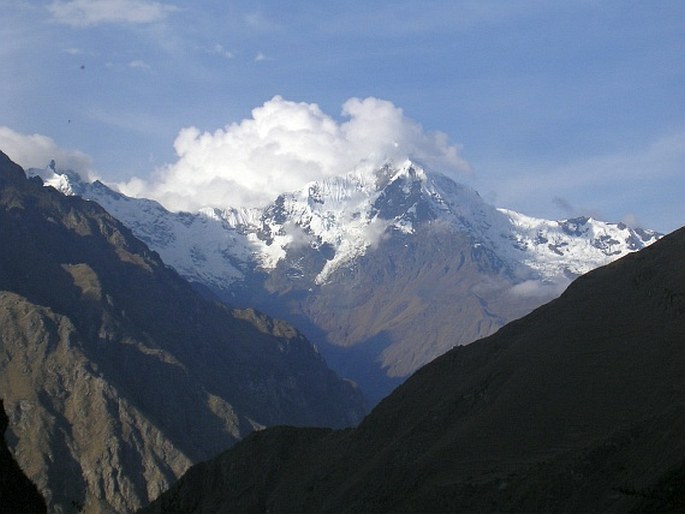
(579, 406)
(116, 374)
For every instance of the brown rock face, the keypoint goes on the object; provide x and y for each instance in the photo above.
(116, 374)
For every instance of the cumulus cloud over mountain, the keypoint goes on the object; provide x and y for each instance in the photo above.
(37, 150)
(286, 144)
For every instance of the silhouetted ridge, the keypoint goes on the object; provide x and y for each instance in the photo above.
(577, 407)
(11, 173)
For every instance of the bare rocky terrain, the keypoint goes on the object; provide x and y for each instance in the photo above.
(116, 374)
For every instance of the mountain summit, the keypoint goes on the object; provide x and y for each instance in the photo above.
(384, 269)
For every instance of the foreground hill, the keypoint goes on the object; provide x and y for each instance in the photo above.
(116, 374)
(384, 269)
(579, 406)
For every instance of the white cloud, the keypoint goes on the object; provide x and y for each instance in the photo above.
(88, 13)
(259, 22)
(220, 50)
(539, 289)
(139, 65)
(260, 57)
(36, 151)
(298, 237)
(283, 146)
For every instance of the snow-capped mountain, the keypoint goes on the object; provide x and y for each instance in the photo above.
(385, 269)
(344, 216)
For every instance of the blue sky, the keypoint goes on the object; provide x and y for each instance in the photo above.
(556, 109)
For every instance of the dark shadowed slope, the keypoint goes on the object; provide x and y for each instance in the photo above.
(17, 493)
(579, 406)
(116, 374)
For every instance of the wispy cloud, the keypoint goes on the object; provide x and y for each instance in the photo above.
(88, 13)
(614, 184)
(632, 220)
(219, 49)
(139, 65)
(37, 150)
(539, 289)
(260, 57)
(664, 156)
(406, 18)
(259, 22)
(75, 51)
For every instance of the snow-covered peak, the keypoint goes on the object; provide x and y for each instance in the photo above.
(335, 212)
(65, 181)
(344, 217)
(351, 213)
(574, 246)
(354, 212)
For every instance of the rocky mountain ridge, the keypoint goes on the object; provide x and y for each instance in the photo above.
(116, 374)
(342, 217)
(383, 269)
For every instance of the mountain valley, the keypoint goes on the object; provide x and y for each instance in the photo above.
(576, 407)
(383, 269)
(119, 375)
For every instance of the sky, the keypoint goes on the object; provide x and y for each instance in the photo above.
(552, 108)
